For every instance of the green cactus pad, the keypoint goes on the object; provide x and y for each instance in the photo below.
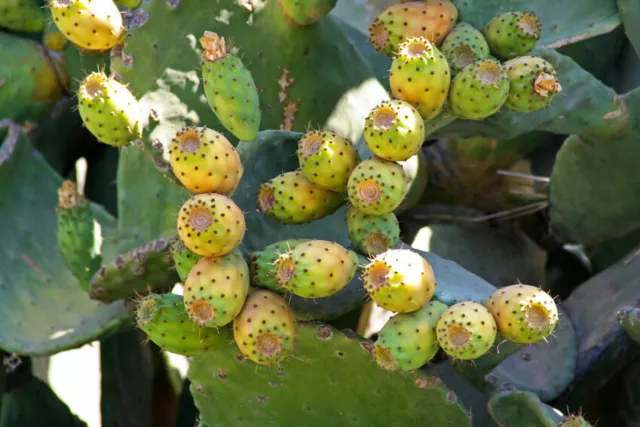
(408, 340)
(420, 76)
(521, 408)
(372, 234)
(306, 12)
(479, 90)
(164, 319)
(262, 263)
(183, 258)
(512, 34)
(629, 318)
(145, 268)
(44, 309)
(308, 387)
(463, 46)
(629, 15)
(533, 83)
(327, 159)
(377, 187)
(466, 330)
(76, 234)
(21, 15)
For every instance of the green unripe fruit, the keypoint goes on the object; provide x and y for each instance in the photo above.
(21, 15)
(211, 224)
(184, 259)
(524, 314)
(466, 330)
(420, 76)
(399, 280)
(316, 269)
(216, 289)
(533, 85)
(512, 34)
(463, 46)
(262, 264)
(164, 319)
(109, 111)
(266, 328)
(205, 161)
(291, 198)
(377, 187)
(479, 90)
(372, 234)
(394, 130)
(229, 88)
(327, 159)
(306, 12)
(574, 421)
(92, 25)
(408, 340)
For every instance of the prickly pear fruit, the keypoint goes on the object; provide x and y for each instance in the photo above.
(463, 46)
(420, 76)
(372, 234)
(431, 19)
(292, 199)
(229, 88)
(316, 269)
(262, 263)
(399, 280)
(216, 289)
(327, 159)
(377, 187)
(164, 319)
(76, 234)
(573, 421)
(184, 259)
(394, 130)
(479, 90)
(524, 314)
(466, 330)
(533, 83)
(266, 328)
(205, 161)
(408, 340)
(306, 12)
(211, 224)
(512, 34)
(21, 15)
(110, 112)
(92, 25)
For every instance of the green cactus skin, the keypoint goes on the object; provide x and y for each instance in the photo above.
(512, 34)
(327, 159)
(533, 84)
(574, 421)
(110, 112)
(291, 198)
(211, 224)
(131, 4)
(205, 161)
(306, 12)
(524, 314)
(408, 340)
(316, 269)
(216, 289)
(372, 234)
(265, 330)
(262, 263)
(21, 15)
(420, 75)
(310, 389)
(90, 25)
(394, 130)
(522, 408)
(431, 19)
(629, 318)
(399, 280)
(139, 271)
(466, 330)
(76, 234)
(164, 319)
(183, 258)
(463, 46)
(229, 88)
(479, 90)
(377, 187)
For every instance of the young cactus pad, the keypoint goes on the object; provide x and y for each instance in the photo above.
(229, 88)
